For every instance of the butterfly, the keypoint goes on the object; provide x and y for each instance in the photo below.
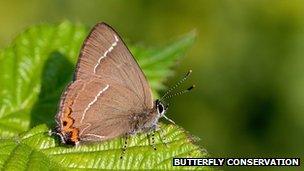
(109, 96)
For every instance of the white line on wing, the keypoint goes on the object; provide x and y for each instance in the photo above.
(92, 102)
(106, 52)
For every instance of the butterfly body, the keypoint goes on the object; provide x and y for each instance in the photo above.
(144, 122)
(109, 96)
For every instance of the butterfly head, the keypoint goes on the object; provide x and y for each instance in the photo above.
(161, 108)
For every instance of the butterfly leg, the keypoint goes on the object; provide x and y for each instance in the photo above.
(152, 138)
(124, 148)
(162, 138)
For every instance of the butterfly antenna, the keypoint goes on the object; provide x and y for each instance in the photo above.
(176, 85)
(179, 93)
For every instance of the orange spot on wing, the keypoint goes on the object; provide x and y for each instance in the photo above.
(67, 122)
(74, 136)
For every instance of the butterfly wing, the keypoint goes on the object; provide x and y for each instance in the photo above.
(105, 55)
(109, 87)
(102, 109)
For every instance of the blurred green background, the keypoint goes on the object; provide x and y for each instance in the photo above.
(248, 63)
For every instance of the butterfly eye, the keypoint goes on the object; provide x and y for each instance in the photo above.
(160, 109)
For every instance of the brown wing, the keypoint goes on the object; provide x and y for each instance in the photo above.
(102, 108)
(104, 54)
(108, 87)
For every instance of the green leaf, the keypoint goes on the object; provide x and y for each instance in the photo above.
(36, 67)
(30, 83)
(36, 150)
(39, 63)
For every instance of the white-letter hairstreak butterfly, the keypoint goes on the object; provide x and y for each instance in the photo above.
(109, 95)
